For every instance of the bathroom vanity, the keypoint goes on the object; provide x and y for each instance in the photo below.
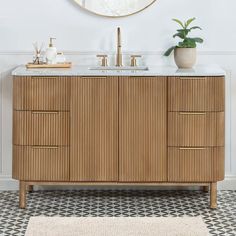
(78, 126)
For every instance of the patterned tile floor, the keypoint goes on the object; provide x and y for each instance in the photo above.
(116, 203)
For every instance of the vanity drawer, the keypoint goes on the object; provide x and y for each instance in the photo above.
(196, 93)
(41, 128)
(195, 164)
(40, 163)
(198, 129)
(41, 93)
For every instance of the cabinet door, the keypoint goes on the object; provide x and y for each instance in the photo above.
(94, 129)
(142, 129)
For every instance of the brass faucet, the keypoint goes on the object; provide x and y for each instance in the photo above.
(118, 53)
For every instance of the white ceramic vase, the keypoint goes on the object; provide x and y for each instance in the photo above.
(185, 58)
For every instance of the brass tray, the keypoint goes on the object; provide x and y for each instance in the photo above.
(59, 65)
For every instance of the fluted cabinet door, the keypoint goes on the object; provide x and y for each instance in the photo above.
(94, 129)
(142, 129)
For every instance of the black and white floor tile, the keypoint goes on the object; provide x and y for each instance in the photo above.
(118, 203)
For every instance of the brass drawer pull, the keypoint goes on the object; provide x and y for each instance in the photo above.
(192, 148)
(192, 78)
(45, 112)
(93, 77)
(45, 147)
(43, 77)
(192, 113)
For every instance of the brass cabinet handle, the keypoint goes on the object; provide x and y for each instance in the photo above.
(193, 113)
(45, 147)
(45, 112)
(192, 148)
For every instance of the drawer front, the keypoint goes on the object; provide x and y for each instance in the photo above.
(41, 128)
(41, 163)
(195, 165)
(196, 93)
(41, 93)
(199, 129)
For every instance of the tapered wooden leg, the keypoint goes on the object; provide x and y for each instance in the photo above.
(30, 188)
(206, 189)
(22, 195)
(213, 195)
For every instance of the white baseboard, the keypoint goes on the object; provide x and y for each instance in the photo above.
(228, 184)
(8, 184)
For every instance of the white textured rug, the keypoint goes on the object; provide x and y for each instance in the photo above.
(116, 226)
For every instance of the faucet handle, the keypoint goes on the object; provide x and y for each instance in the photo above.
(104, 59)
(134, 60)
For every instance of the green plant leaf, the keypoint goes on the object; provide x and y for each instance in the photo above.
(169, 51)
(189, 22)
(198, 40)
(183, 32)
(187, 43)
(180, 35)
(195, 27)
(179, 22)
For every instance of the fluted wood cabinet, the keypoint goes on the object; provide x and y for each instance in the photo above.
(118, 131)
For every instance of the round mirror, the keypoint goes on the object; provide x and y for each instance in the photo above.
(114, 8)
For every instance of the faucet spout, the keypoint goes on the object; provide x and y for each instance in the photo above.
(118, 53)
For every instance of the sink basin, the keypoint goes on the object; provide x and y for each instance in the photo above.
(122, 68)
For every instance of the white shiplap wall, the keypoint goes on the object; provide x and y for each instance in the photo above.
(82, 35)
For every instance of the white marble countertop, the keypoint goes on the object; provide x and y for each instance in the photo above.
(204, 70)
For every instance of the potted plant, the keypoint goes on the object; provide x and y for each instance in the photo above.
(185, 52)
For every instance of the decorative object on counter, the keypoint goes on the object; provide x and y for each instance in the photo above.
(53, 59)
(60, 58)
(114, 8)
(185, 53)
(51, 53)
(38, 53)
(45, 65)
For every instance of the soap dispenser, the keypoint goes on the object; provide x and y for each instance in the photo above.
(51, 53)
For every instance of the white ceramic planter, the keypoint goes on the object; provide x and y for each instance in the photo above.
(185, 57)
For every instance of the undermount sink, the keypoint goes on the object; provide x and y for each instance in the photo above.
(121, 68)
